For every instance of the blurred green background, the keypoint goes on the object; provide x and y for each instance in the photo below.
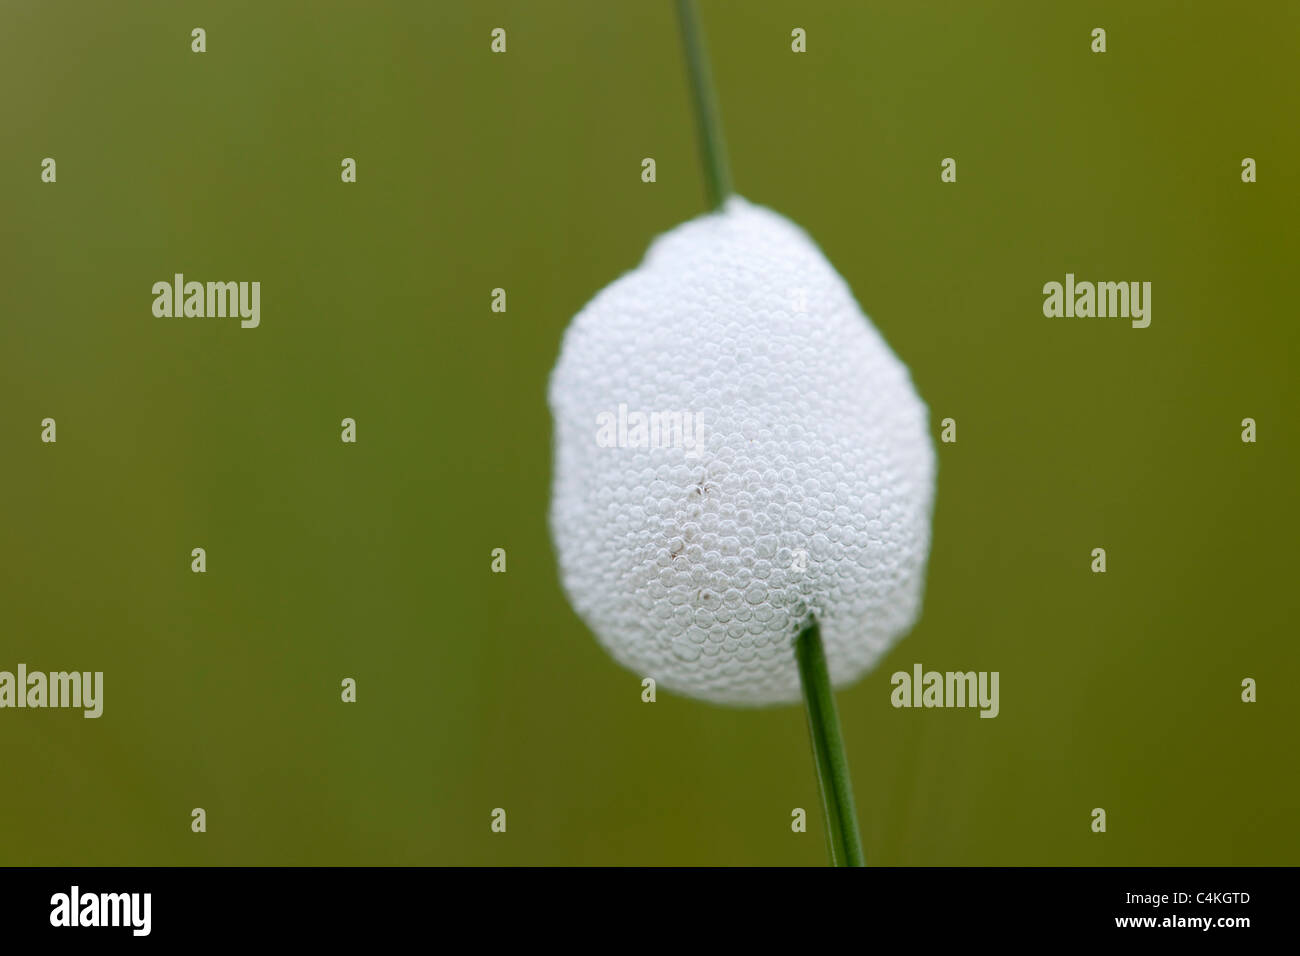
(475, 171)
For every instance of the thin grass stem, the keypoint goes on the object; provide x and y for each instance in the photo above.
(713, 150)
(828, 750)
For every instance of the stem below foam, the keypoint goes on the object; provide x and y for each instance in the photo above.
(828, 750)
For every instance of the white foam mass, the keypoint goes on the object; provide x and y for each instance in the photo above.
(810, 494)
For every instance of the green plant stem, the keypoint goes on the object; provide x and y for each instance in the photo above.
(713, 151)
(828, 750)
